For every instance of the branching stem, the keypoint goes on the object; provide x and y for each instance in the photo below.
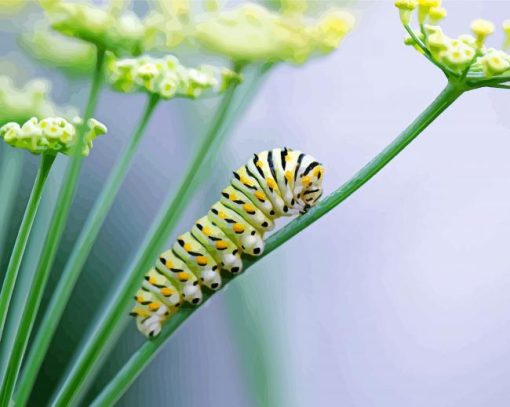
(77, 259)
(56, 228)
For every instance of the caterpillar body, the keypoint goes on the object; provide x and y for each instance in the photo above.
(275, 183)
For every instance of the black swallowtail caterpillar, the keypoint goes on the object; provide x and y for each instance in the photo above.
(275, 183)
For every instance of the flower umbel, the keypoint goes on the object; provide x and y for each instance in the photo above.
(123, 33)
(167, 77)
(51, 135)
(465, 58)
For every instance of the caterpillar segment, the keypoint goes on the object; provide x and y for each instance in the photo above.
(274, 183)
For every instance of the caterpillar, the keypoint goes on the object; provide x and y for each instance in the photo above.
(275, 183)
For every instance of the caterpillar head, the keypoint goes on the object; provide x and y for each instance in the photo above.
(308, 187)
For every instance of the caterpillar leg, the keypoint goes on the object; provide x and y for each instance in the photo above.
(150, 312)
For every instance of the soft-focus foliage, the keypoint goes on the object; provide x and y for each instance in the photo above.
(47, 46)
(253, 33)
(20, 104)
(11, 7)
(166, 77)
(51, 135)
(465, 55)
(120, 33)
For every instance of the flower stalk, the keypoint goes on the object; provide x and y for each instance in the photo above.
(114, 317)
(78, 256)
(136, 364)
(21, 334)
(23, 234)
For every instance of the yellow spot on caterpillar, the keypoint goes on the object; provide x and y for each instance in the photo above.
(222, 215)
(169, 264)
(138, 298)
(238, 228)
(259, 164)
(153, 306)
(271, 183)
(220, 244)
(202, 260)
(260, 195)
(232, 197)
(287, 158)
(317, 171)
(246, 181)
(306, 180)
(206, 231)
(166, 291)
(183, 276)
(249, 208)
(152, 280)
(289, 175)
(187, 247)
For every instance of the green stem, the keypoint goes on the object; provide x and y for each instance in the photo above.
(60, 214)
(10, 174)
(22, 238)
(77, 259)
(130, 371)
(114, 317)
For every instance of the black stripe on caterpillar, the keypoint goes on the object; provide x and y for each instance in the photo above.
(275, 183)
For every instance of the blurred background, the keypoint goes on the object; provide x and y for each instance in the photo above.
(399, 297)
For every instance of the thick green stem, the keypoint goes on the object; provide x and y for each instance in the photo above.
(113, 317)
(60, 214)
(77, 259)
(11, 168)
(22, 238)
(149, 349)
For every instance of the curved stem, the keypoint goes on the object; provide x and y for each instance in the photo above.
(22, 238)
(77, 259)
(121, 382)
(113, 317)
(60, 214)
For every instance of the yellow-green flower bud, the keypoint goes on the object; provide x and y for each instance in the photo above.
(437, 14)
(506, 29)
(405, 8)
(458, 55)
(482, 29)
(494, 62)
(424, 7)
(51, 135)
(333, 27)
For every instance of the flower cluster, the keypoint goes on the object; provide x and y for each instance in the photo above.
(465, 56)
(51, 135)
(73, 56)
(167, 77)
(120, 33)
(252, 33)
(19, 104)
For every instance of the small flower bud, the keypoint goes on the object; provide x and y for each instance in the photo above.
(494, 62)
(506, 29)
(436, 14)
(424, 7)
(405, 8)
(482, 29)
